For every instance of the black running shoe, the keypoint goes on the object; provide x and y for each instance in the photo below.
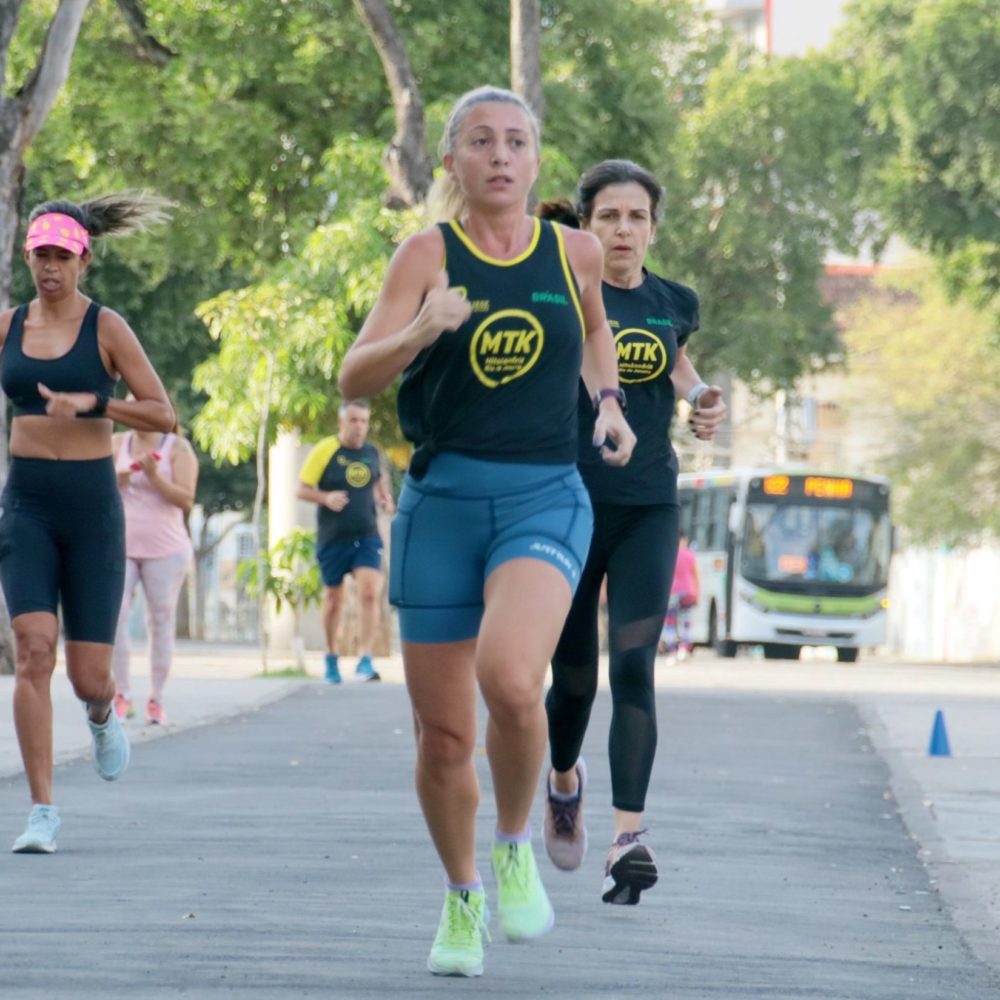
(629, 870)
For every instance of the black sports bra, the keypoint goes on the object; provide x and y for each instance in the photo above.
(80, 369)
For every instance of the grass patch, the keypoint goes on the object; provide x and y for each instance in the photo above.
(284, 673)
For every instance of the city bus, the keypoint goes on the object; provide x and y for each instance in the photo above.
(788, 559)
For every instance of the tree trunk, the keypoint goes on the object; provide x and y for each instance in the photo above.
(21, 116)
(406, 161)
(526, 54)
(258, 508)
(147, 47)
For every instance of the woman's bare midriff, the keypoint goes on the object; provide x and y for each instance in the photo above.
(60, 438)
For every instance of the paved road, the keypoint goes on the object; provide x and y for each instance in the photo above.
(281, 854)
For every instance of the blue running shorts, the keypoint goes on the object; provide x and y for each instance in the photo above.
(465, 518)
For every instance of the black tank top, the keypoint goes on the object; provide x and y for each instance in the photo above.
(650, 324)
(504, 385)
(80, 369)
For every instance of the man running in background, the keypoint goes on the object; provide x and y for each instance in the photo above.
(344, 476)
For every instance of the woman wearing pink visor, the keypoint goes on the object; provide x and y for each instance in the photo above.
(61, 529)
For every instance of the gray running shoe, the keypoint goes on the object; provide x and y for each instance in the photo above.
(564, 832)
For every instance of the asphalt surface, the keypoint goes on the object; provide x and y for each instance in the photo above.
(281, 853)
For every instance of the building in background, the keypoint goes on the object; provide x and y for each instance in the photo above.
(782, 27)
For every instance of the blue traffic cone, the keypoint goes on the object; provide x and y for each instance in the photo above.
(939, 738)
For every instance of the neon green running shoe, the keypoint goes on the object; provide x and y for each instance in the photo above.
(458, 944)
(524, 908)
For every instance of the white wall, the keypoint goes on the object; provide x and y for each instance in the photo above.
(945, 605)
(800, 25)
(285, 512)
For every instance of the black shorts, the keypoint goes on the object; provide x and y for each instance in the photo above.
(62, 541)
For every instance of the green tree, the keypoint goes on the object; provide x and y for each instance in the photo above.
(303, 321)
(935, 362)
(927, 72)
(770, 170)
(268, 125)
(290, 578)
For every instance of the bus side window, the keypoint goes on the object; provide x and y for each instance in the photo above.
(719, 518)
(700, 514)
(686, 499)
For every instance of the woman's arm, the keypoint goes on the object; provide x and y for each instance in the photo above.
(150, 410)
(600, 362)
(184, 470)
(124, 475)
(709, 409)
(5, 317)
(414, 307)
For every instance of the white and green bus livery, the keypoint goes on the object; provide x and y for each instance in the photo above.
(788, 559)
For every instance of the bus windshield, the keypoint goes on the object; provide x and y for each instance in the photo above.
(815, 547)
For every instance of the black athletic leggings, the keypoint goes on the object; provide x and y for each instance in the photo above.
(637, 548)
(62, 541)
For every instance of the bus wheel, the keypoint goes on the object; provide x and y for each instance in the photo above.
(847, 654)
(781, 651)
(725, 648)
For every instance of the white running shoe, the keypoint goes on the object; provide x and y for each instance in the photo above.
(111, 749)
(39, 836)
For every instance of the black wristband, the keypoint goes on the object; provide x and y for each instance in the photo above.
(100, 408)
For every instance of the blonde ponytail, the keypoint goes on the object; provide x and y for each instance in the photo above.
(445, 200)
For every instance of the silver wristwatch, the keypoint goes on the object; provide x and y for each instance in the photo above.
(692, 396)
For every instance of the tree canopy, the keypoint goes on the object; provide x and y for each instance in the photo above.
(267, 121)
(926, 74)
(935, 362)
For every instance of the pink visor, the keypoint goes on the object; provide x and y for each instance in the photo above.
(57, 230)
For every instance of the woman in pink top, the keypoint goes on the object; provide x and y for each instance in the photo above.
(157, 476)
(684, 594)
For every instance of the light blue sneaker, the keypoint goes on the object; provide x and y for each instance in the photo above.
(523, 905)
(365, 670)
(332, 674)
(111, 749)
(39, 836)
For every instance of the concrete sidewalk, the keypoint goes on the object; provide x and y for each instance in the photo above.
(209, 682)
(189, 701)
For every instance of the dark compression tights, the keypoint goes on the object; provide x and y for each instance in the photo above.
(637, 548)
